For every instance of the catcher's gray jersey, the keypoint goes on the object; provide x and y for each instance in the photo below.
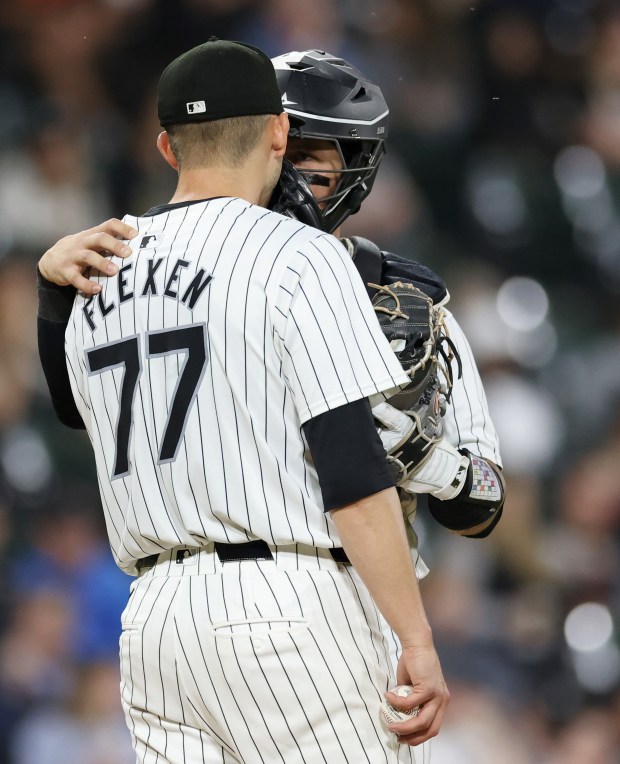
(227, 328)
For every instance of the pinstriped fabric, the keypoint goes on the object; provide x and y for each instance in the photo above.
(467, 422)
(273, 661)
(201, 439)
(387, 643)
(314, 306)
(194, 370)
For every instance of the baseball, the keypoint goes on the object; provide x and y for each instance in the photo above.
(393, 715)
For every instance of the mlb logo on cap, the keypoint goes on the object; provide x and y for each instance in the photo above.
(196, 107)
(219, 79)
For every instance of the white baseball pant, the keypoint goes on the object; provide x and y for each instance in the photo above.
(257, 661)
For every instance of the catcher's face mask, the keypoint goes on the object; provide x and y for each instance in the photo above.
(320, 162)
(327, 98)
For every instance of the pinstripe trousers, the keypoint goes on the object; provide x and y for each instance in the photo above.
(257, 661)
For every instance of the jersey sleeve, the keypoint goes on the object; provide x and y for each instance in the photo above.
(348, 454)
(467, 422)
(331, 347)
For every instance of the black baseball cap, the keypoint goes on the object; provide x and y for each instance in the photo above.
(216, 80)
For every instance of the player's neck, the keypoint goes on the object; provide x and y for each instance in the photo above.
(206, 183)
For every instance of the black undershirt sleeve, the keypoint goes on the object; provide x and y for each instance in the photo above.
(51, 337)
(348, 454)
(55, 305)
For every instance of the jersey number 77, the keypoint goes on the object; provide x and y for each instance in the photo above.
(189, 340)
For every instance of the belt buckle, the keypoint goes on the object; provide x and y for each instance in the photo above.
(249, 550)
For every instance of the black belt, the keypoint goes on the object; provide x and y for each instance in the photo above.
(251, 550)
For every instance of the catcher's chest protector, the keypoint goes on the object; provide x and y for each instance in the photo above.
(378, 267)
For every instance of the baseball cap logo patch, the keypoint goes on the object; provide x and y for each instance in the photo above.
(193, 88)
(196, 107)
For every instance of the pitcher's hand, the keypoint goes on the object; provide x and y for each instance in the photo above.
(419, 668)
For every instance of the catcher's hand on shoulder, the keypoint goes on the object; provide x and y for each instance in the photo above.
(66, 262)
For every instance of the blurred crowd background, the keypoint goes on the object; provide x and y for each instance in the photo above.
(503, 173)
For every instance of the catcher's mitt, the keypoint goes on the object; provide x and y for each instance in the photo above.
(415, 328)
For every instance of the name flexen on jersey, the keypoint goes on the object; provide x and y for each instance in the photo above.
(171, 288)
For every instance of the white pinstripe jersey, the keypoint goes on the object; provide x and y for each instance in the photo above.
(227, 328)
(467, 421)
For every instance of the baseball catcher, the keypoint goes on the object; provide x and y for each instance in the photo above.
(431, 452)
(339, 127)
(465, 491)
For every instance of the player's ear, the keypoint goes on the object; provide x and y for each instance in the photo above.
(279, 133)
(163, 146)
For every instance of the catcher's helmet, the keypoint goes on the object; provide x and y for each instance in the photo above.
(325, 97)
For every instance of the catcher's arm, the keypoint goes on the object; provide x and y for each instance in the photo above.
(477, 508)
(466, 492)
(414, 326)
(67, 262)
(463, 506)
(61, 271)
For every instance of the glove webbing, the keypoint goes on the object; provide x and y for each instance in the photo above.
(396, 312)
(447, 356)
